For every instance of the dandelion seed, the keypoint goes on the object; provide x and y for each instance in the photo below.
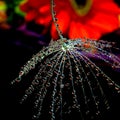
(69, 71)
(69, 79)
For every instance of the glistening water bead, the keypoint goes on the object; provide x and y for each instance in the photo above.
(69, 79)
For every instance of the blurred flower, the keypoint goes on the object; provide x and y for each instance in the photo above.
(3, 16)
(94, 18)
(2, 12)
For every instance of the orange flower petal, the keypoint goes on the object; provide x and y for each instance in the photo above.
(44, 20)
(103, 1)
(24, 7)
(104, 22)
(37, 3)
(63, 21)
(33, 4)
(111, 9)
(77, 30)
(44, 9)
(30, 15)
(94, 34)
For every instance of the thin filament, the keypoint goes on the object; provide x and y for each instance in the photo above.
(55, 20)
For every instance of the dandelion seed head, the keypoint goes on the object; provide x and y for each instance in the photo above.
(68, 78)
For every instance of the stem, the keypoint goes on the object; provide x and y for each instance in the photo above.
(55, 19)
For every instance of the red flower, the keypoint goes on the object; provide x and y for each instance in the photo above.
(77, 18)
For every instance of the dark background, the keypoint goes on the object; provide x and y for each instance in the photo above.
(16, 49)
